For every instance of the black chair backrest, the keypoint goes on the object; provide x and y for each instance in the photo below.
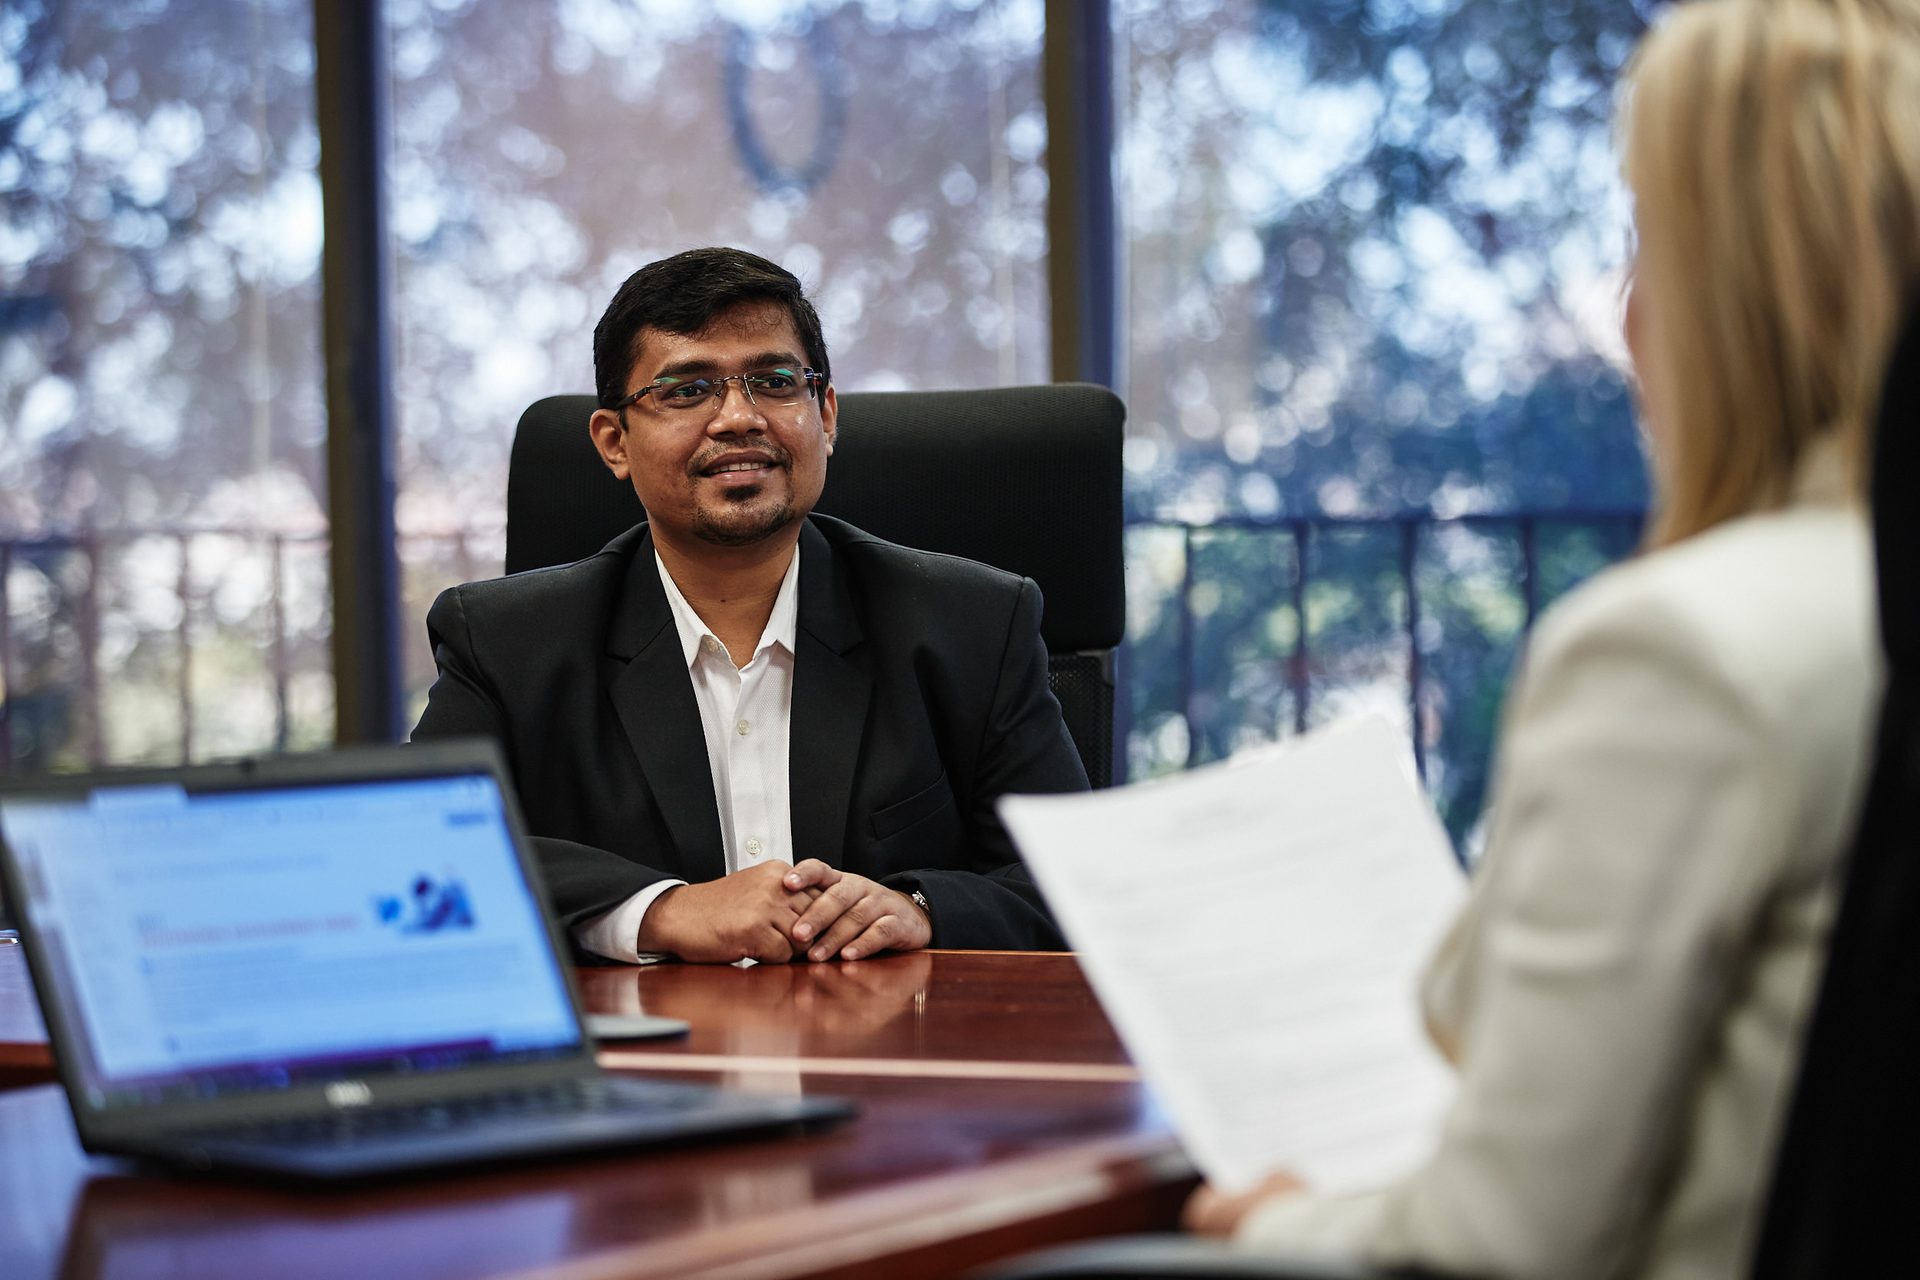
(1026, 479)
(1845, 1178)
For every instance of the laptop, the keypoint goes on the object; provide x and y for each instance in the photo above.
(322, 967)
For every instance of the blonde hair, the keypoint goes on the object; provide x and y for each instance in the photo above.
(1773, 149)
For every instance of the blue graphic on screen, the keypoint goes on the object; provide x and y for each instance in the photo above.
(247, 939)
(433, 906)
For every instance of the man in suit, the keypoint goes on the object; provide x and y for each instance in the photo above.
(742, 730)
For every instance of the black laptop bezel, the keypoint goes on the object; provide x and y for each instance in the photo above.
(129, 1124)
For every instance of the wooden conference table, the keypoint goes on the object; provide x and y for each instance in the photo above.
(998, 1113)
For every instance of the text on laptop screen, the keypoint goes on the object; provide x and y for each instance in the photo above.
(254, 938)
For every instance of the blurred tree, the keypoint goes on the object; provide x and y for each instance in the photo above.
(1361, 236)
(162, 236)
(159, 368)
(1374, 253)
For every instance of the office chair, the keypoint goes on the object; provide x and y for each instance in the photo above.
(1026, 479)
(1844, 1186)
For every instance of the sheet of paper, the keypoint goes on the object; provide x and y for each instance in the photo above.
(1256, 930)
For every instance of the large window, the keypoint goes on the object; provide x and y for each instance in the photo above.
(890, 155)
(1371, 323)
(1370, 268)
(162, 514)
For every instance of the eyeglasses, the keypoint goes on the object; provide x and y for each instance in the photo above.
(691, 399)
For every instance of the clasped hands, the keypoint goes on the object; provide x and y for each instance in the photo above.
(775, 913)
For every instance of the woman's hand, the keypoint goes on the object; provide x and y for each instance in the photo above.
(1213, 1213)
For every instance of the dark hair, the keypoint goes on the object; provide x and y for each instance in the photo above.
(683, 295)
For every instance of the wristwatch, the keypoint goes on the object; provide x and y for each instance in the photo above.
(920, 901)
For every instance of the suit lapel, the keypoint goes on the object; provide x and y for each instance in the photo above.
(653, 696)
(832, 684)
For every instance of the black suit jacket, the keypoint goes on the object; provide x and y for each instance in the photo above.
(919, 698)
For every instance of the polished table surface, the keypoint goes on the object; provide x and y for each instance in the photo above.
(998, 1113)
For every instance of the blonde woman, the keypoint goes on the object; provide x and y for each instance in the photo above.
(1625, 995)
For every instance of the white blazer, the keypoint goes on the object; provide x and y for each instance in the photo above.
(1625, 993)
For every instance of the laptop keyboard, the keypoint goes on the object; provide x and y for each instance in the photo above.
(357, 1126)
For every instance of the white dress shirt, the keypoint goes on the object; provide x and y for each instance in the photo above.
(746, 714)
(1625, 994)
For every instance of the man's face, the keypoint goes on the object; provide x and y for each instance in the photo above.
(734, 472)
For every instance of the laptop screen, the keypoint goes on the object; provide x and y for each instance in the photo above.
(206, 942)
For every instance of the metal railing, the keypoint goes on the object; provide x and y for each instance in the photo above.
(1621, 526)
(94, 549)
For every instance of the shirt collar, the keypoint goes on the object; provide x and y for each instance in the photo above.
(780, 623)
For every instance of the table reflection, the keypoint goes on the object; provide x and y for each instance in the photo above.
(840, 1008)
